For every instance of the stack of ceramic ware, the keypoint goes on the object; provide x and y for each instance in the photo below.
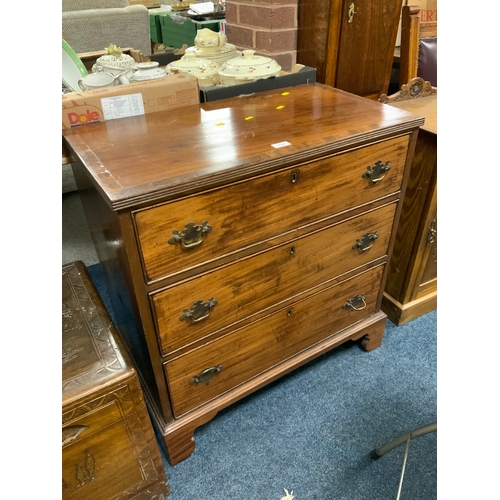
(205, 70)
(247, 68)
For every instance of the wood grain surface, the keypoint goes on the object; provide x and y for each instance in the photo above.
(166, 154)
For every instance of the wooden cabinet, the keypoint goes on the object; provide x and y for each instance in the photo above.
(109, 449)
(350, 43)
(147, 3)
(411, 288)
(242, 238)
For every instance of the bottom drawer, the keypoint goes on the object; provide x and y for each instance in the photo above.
(221, 365)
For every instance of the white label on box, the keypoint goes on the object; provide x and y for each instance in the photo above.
(122, 106)
(281, 144)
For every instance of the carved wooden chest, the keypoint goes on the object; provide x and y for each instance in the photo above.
(109, 450)
(411, 288)
(242, 238)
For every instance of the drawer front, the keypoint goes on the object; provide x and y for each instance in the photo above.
(101, 465)
(187, 312)
(109, 405)
(92, 421)
(183, 234)
(251, 350)
(108, 452)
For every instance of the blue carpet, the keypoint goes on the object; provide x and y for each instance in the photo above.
(312, 431)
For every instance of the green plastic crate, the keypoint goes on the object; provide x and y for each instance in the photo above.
(154, 24)
(155, 29)
(176, 35)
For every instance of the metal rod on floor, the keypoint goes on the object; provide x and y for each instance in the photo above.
(404, 465)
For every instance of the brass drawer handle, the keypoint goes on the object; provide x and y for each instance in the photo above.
(432, 234)
(366, 242)
(199, 311)
(206, 375)
(377, 172)
(191, 236)
(355, 302)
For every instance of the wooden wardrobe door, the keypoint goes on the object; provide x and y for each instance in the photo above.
(366, 46)
(353, 52)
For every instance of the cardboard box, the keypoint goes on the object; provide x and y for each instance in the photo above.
(134, 99)
(89, 58)
(300, 74)
(428, 12)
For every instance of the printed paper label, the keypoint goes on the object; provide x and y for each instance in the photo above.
(122, 106)
(281, 144)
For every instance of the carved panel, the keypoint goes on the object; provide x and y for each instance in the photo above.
(415, 88)
(89, 352)
(121, 396)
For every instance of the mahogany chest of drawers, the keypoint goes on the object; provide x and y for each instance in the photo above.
(109, 450)
(242, 238)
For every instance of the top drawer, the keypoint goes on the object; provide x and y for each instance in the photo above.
(185, 233)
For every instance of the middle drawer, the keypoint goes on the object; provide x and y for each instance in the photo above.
(196, 308)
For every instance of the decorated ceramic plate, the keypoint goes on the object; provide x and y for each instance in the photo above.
(72, 68)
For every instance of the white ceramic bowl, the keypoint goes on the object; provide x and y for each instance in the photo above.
(147, 71)
(247, 68)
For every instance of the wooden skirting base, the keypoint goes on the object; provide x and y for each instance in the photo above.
(179, 434)
(400, 314)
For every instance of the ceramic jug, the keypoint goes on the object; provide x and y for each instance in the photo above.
(209, 41)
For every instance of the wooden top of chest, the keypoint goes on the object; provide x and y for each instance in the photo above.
(91, 357)
(153, 157)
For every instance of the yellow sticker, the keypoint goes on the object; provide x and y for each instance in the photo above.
(280, 107)
(219, 124)
(285, 93)
(248, 117)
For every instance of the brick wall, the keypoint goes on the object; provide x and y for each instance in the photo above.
(267, 26)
